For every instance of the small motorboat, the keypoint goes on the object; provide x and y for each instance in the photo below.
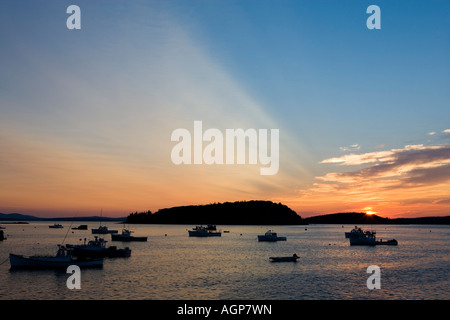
(103, 230)
(270, 236)
(391, 242)
(126, 236)
(292, 258)
(56, 226)
(81, 227)
(63, 259)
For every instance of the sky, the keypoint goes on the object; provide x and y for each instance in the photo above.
(86, 115)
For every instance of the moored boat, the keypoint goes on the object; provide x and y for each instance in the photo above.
(56, 226)
(391, 242)
(63, 259)
(209, 231)
(271, 236)
(292, 258)
(103, 230)
(98, 248)
(81, 227)
(126, 236)
(358, 236)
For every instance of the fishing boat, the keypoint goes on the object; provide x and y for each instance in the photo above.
(103, 230)
(56, 226)
(358, 236)
(292, 258)
(63, 259)
(271, 236)
(209, 231)
(98, 248)
(126, 236)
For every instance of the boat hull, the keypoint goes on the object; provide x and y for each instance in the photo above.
(201, 233)
(271, 239)
(362, 242)
(283, 259)
(392, 242)
(20, 261)
(101, 253)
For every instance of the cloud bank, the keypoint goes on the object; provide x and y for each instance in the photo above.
(412, 179)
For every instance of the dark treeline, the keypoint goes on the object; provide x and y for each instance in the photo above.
(263, 213)
(348, 218)
(363, 218)
(240, 212)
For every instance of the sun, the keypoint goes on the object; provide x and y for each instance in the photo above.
(369, 210)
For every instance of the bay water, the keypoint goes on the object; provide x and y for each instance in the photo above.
(173, 266)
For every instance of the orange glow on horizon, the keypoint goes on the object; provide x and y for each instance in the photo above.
(369, 210)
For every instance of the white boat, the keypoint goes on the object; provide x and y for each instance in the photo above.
(209, 231)
(391, 242)
(56, 226)
(81, 227)
(358, 236)
(63, 259)
(271, 236)
(126, 236)
(292, 258)
(103, 230)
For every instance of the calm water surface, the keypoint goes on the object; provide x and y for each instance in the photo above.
(172, 266)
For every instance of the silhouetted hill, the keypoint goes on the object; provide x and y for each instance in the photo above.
(17, 217)
(347, 218)
(240, 212)
(363, 218)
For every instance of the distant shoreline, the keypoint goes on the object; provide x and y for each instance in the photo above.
(363, 218)
(14, 222)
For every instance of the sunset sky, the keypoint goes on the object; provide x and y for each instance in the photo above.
(86, 116)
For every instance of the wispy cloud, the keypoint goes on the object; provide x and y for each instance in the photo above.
(407, 164)
(351, 148)
(357, 159)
